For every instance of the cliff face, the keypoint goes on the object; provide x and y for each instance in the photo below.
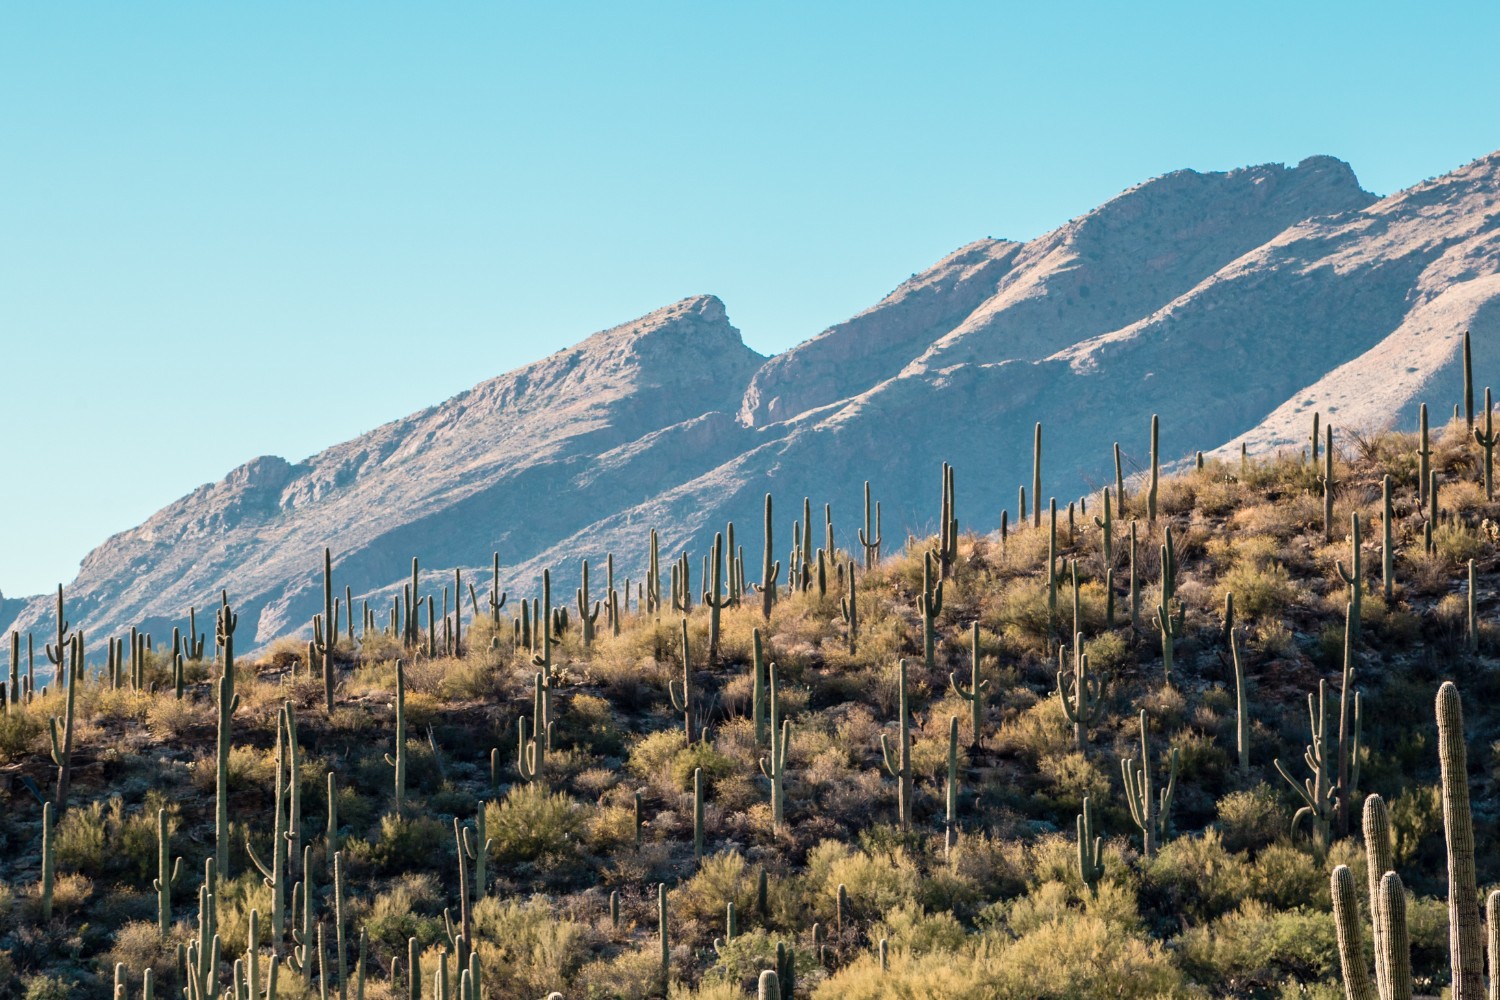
(1231, 304)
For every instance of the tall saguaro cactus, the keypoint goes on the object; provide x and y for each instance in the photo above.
(228, 701)
(870, 539)
(682, 697)
(773, 766)
(770, 568)
(1487, 439)
(899, 763)
(1465, 951)
(930, 604)
(1149, 808)
(977, 687)
(1083, 694)
(398, 761)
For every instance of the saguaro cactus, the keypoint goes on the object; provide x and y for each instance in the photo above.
(1465, 950)
(1155, 469)
(1148, 808)
(1090, 849)
(870, 540)
(773, 766)
(1036, 476)
(975, 695)
(899, 763)
(770, 568)
(398, 762)
(714, 596)
(588, 613)
(228, 701)
(950, 826)
(1354, 576)
(167, 872)
(1486, 440)
(930, 604)
(849, 608)
(1083, 694)
(682, 696)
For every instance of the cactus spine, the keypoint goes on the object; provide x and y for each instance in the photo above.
(899, 764)
(398, 762)
(977, 687)
(1148, 808)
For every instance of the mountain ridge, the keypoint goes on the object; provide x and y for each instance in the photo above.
(1232, 303)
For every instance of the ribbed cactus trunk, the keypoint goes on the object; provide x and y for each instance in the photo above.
(899, 763)
(1465, 949)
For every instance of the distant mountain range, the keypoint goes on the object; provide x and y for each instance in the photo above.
(1232, 304)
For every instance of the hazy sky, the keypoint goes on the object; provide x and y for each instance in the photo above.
(235, 230)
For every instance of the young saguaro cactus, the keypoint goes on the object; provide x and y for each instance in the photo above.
(49, 862)
(1155, 469)
(947, 550)
(1149, 809)
(1036, 476)
(326, 635)
(977, 687)
(899, 763)
(950, 825)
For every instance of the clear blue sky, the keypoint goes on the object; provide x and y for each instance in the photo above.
(229, 230)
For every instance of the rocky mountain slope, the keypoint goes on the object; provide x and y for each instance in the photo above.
(1232, 304)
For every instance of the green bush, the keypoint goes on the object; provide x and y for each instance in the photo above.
(531, 824)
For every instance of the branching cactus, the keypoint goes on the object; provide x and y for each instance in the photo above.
(1082, 694)
(1149, 808)
(682, 695)
(1424, 454)
(546, 627)
(1106, 525)
(773, 766)
(167, 870)
(870, 539)
(770, 568)
(714, 596)
(1353, 576)
(930, 604)
(69, 672)
(899, 763)
(977, 687)
(1090, 849)
(275, 874)
(758, 688)
(477, 846)
(1486, 440)
(1319, 802)
(588, 614)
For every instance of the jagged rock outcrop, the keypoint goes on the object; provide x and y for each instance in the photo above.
(1232, 304)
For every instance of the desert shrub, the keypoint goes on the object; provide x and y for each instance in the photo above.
(1250, 819)
(1256, 944)
(525, 947)
(406, 910)
(653, 755)
(1196, 877)
(531, 824)
(407, 843)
